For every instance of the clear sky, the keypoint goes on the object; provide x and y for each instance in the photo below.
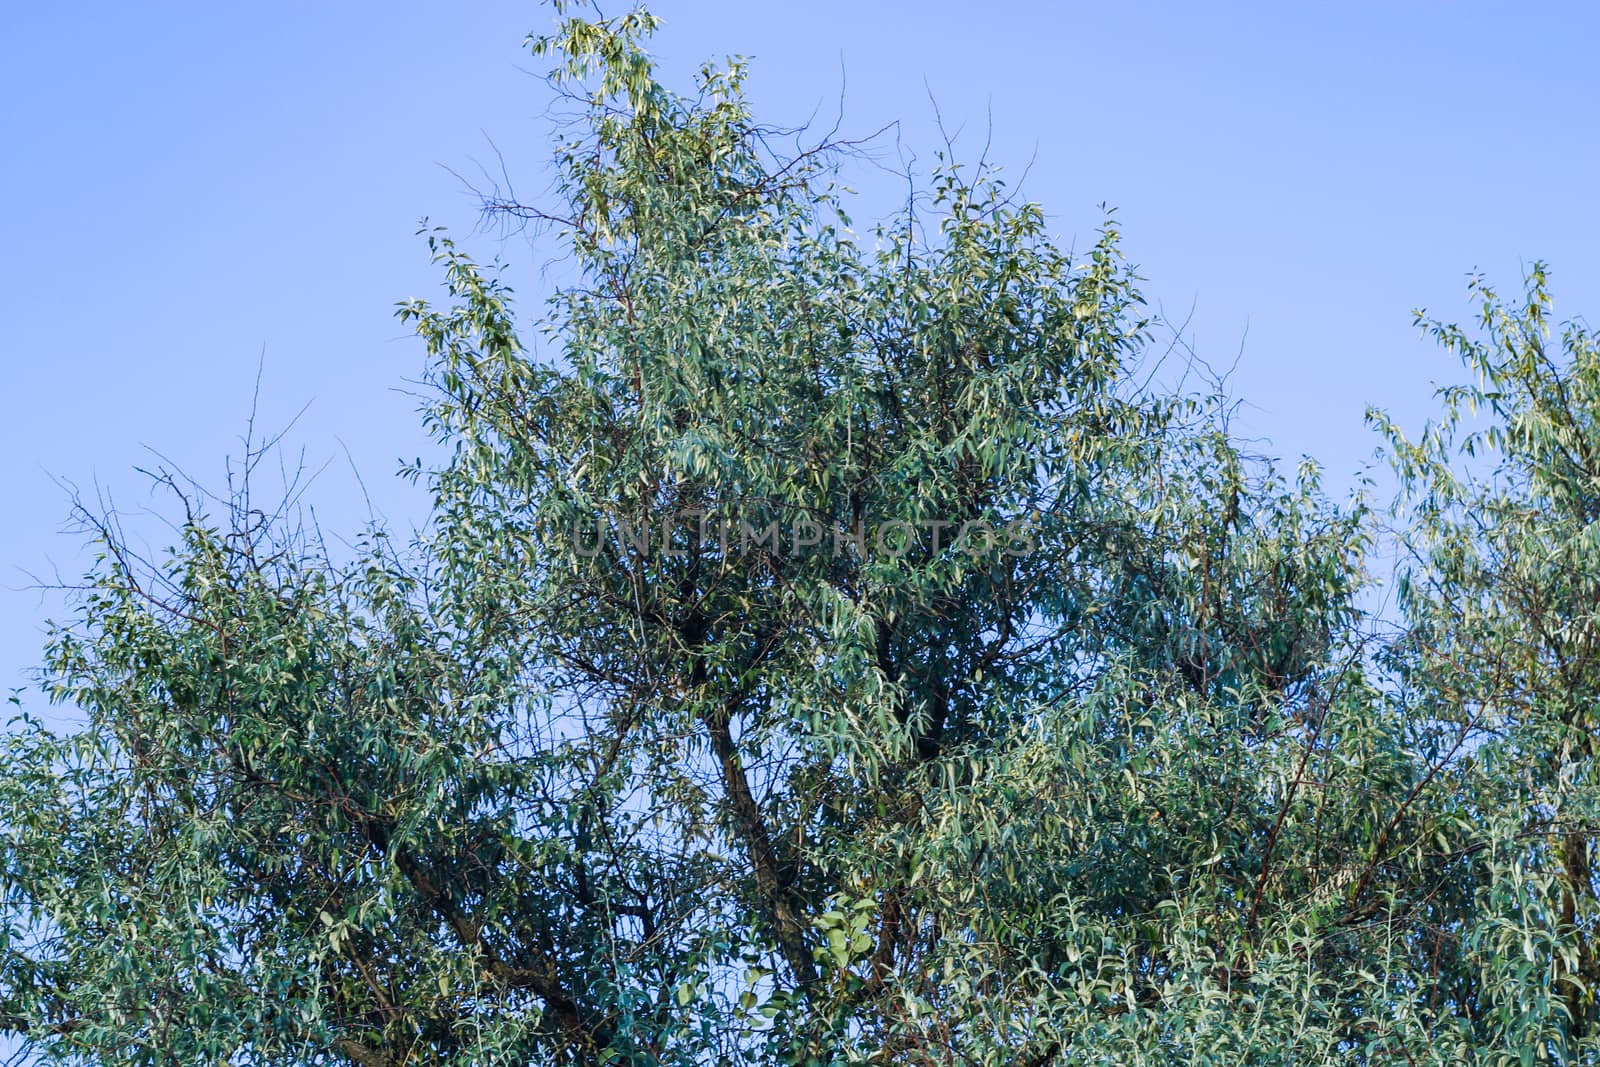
(193, 188)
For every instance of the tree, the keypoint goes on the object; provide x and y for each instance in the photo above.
(1501, 595)
(822, 652)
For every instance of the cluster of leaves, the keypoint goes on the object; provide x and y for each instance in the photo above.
(574, 779)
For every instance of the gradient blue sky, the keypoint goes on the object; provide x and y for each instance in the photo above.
(191, 186)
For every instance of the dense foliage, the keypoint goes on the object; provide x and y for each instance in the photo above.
(832, 650)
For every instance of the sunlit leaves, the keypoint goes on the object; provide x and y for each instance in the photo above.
(654, 749)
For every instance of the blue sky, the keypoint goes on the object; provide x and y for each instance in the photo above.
(196, 188)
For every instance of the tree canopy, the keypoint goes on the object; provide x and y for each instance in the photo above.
(828, 647)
